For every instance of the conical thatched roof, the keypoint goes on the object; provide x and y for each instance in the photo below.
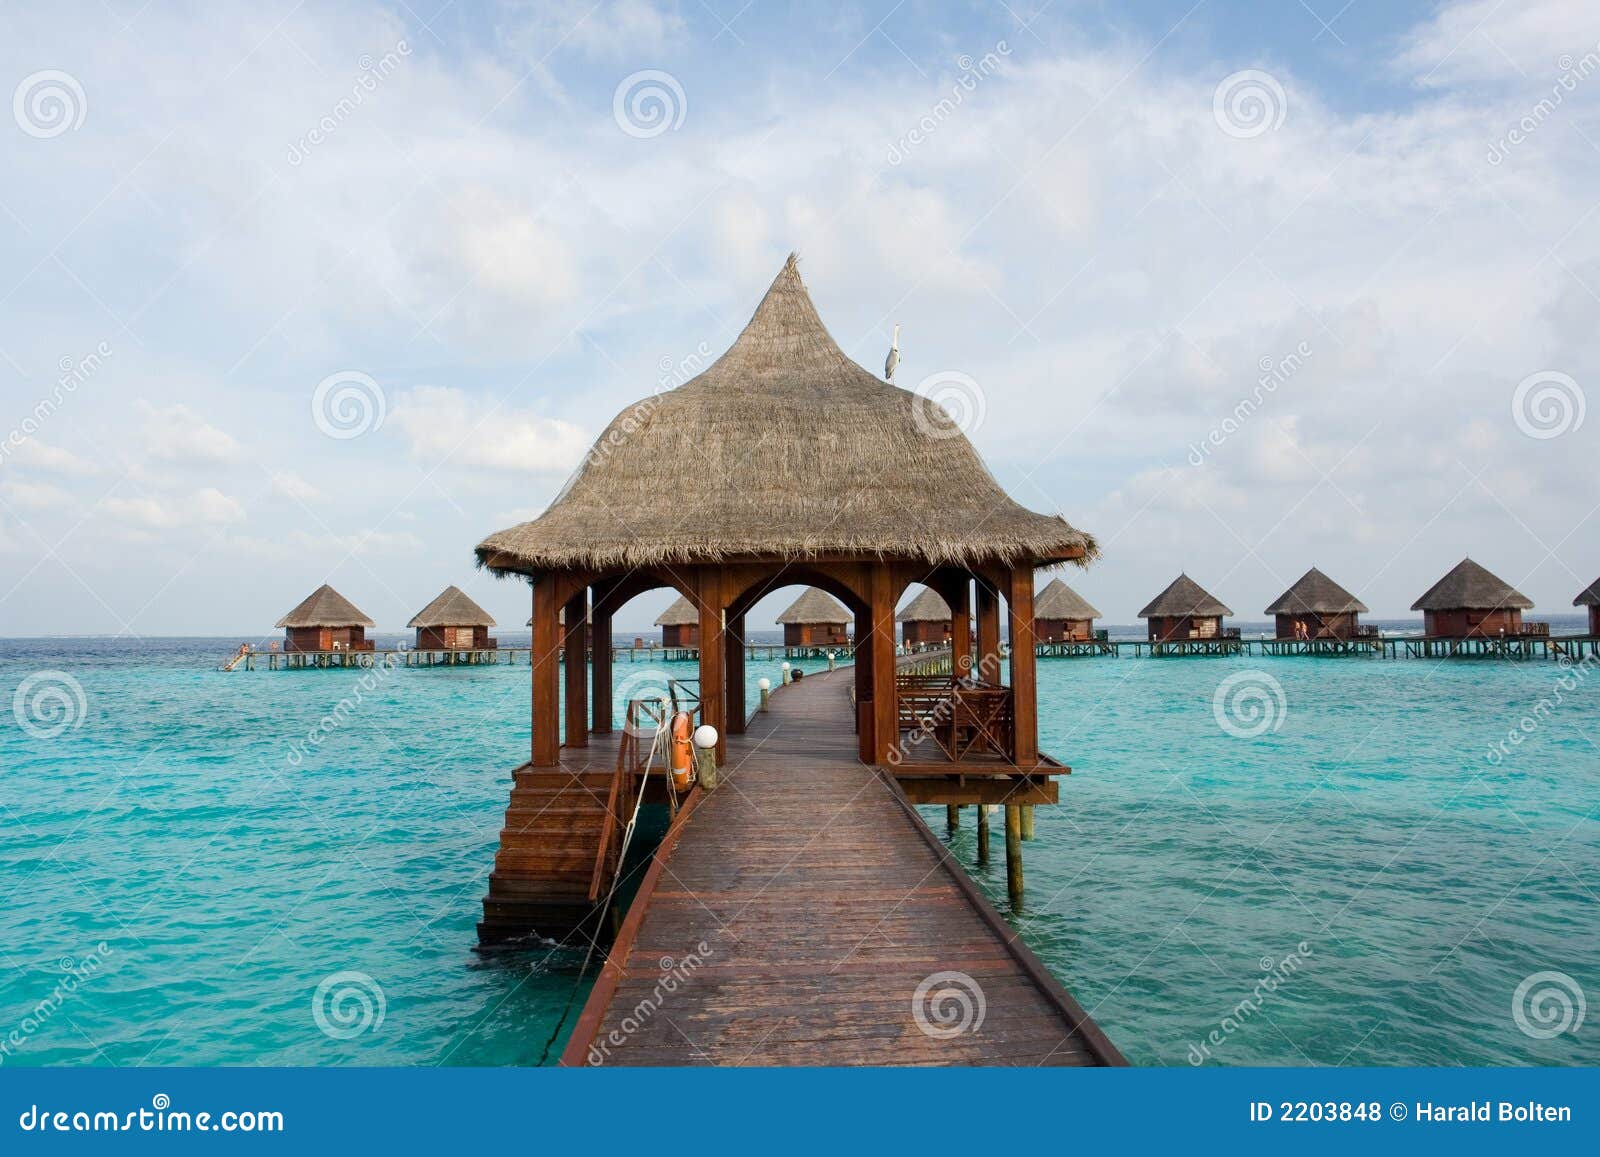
(783, 448)
(927, 607)
(682, 613)
(1183, 597)
(1590, 596)
(815, 607)
(1316, 594)
(1059, 601)
(1468, 587)
(452, 609)
(325, 607)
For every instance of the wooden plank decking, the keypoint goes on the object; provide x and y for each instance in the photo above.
(792, 914)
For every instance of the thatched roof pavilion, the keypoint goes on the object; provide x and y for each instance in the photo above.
(453, 622)
(814, 619)
(680, 624)
(1185, 610)
(925, 620)
(1061, 613)
(1590, 597)
(325, 621)
(1471, 601)
(1318, 606)
(886, 492)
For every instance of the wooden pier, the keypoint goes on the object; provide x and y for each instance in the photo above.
(803, 914)
(252, 660)
(1512, 647)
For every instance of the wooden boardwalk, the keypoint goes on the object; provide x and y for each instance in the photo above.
(803, 914)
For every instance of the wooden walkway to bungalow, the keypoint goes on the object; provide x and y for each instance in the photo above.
(803, 914)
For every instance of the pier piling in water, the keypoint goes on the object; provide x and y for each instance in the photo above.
(1014, 852)
(1027, 821)
(983, 833)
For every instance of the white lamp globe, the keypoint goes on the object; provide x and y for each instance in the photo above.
(705, 736)
(765, 684)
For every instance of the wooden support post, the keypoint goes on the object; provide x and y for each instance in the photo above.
(577, 677)
(988, 659)
(983, 833)
(952, 816)
(864, 687)
(545, 669)
(713, 692)
(885, 707)
(733, 666)
(1027, 821)
(959, 596)
(1014, 852)
(600, 707)
(1024, 669)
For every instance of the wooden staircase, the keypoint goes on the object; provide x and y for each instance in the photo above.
(542, 882)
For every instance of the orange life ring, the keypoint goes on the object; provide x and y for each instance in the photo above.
(682, 751)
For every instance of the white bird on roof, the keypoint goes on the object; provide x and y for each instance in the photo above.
(893, 359)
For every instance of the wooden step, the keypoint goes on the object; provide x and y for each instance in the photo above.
(577, 863)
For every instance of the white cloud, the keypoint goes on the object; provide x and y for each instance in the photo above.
(34, 495)
(177, 434)
(448, 426)
(206, 506)
(327, 548)
(290, 485)
(43, 456)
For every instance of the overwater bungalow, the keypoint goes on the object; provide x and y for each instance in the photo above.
(926, 621)
(1061, 614)
(680, 624)
(1470, 602)
(1185, 610)
(1316, 607)
(453, 622)
(815, 619)
(1590, 597)
(325, 621)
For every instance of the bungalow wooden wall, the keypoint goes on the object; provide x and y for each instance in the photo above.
(324, 638)
(924, 632)
(1339, 626)
(814, 635)
(1062, 630)
(453, 639)
(1185, 627)
(683, 635)
(1462, 624)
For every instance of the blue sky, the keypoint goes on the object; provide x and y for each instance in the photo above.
(202, 221)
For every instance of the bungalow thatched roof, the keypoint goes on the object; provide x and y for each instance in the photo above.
(815, 606)
(1316, 594)
(1184, 597)
(927, 607)
(325, 607)
(782, 448)
(1589, 596)
(1059, 601)
(682, 613)
(452, 609)
(1468, 587)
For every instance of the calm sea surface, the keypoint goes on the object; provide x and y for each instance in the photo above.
(181, 869)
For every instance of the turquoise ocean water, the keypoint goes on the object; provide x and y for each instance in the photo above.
(229, 867)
